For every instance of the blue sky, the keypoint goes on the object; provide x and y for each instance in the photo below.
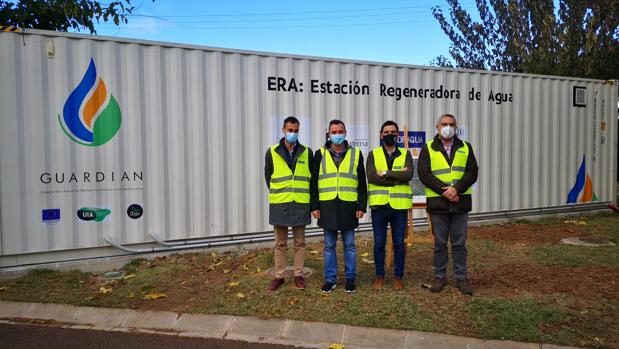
(386, 31)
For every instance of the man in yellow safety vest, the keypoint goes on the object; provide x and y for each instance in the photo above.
(339, 199)
(287, 173)
(389, 170)
(448, 169)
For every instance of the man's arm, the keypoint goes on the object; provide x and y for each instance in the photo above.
(425, 172)
(403, 177)
(470, 173)
(373, 176)
(268, 167)
(315, 169)
(362, 187)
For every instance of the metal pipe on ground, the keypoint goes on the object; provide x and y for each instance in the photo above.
(315, 231)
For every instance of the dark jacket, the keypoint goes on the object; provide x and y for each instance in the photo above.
(441, 204)
(337, 214)
(391, 178)
(290, 214)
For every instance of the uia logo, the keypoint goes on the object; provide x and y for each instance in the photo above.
(91, 115)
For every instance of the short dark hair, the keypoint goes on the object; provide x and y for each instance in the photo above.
(389, 123)
(290, 119)
(446, 116)
(336, 122)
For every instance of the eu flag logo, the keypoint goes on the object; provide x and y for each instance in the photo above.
(51, 214)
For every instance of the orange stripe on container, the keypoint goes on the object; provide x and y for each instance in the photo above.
(587, 195)
(94, 103)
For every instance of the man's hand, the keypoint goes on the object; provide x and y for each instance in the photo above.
(316, 214)
(451, 194)
(359, 214)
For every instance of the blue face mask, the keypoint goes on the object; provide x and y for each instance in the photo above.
(292, 137)
(338, 139)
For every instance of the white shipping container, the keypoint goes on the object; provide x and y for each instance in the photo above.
(121, 138)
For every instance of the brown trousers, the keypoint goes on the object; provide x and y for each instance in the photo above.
(281, 250)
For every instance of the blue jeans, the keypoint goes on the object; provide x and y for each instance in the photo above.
(397, 218)
(350, 255)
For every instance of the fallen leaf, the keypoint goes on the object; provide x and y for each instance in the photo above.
(226, 271)
(409, 244)
(234, 283)
(131, 295)
(245, 267)
(367, 261)
(314, 252)
(336, 346)
(365, 254)
(293, 300)
(130, 276)
(155, 295)
(213, 254)
(3, 288)
(240, 295)
(582, 223)
(104, 290)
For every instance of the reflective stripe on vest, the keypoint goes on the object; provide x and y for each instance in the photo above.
(398, 196)
(286, 186)
(341, 182)
(448, 175)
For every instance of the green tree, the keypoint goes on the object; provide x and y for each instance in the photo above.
(579, 38)
(60, 15)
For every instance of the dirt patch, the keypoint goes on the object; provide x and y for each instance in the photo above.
(513, 280)
(529, 233)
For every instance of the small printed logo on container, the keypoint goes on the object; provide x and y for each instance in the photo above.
(135, 211)
(96, 214)
(50, 215)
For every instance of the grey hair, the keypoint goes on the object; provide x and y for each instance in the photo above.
(438, 121)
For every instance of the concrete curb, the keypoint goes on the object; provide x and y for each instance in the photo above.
(248, 329)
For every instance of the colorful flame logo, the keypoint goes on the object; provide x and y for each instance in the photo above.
(91, 115)
(583, 181)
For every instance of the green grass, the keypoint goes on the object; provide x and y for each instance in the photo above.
(200, 282)
(576, 256)
(519, 319)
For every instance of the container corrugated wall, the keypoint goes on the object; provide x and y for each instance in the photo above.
(196, 123)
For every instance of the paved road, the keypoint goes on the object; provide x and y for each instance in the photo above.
(17, 336)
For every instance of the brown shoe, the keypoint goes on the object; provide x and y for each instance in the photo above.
(299, 282)
(465, 287)
(438, 285)
(397, 284)
(275, 284)
(378, 283)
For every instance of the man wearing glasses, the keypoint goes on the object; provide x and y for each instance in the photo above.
(389, 171)
(448, 169)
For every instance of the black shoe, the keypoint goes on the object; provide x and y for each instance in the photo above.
(327, 287)
(438, 285)
(465, 287)
(350, 286)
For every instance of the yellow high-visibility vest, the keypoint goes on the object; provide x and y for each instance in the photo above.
(449, 175)
(399, 196)
(339, 182)
(286, 186)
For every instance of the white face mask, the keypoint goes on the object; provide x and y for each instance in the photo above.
(447, 132)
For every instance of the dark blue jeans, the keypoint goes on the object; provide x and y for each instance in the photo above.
(397, 218)
(450, 227)
(350, 255)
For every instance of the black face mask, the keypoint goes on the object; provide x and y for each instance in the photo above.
(389, 139)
